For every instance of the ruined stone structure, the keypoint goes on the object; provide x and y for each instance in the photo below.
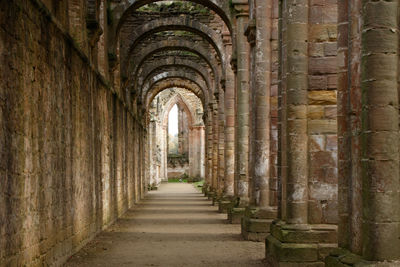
(288, 109)
(190, 155)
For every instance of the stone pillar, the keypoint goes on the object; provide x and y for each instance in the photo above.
(369, 192)
(143, 160)
(221, 144)
(215, 126)
(242, 112)
(181, 129)
(296, 106)
(152, 151)
(102, 45)
(208, 186)
(293, 241)
(164, 153)
(229, 129)
(202, 152)
(195, 148)
(260, 213)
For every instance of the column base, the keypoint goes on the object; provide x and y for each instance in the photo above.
(210, 195)
(224, 204)
(343, 258)
(299, 245)
(256, 223)
(215, 199)
(204, 191)
(235, 215)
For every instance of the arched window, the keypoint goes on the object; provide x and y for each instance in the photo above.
(173, 131)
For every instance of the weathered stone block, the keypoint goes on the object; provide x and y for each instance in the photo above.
(323, 65)
(322, 97)
(316, 14)
(235, 215)
(315, 112)
(290, 252)
(224, 206)
(254, 236)
(322, 126)
(324, 250)
(332, 81)
(299, 244)
(317, 82)
(313, 234)
(322, 32)
(334, 262)
(256, 225)
(330, 49)
(343, 258)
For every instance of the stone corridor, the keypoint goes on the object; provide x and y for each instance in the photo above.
(287, 112)
(174, 226)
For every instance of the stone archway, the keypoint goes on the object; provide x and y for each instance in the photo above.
(183, 23)
(171, 45)
(190, 157)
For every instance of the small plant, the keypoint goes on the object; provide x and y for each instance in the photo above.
(199, 185)
(177, 180)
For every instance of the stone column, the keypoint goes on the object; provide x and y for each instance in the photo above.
(215, 180)
(195, 150)
(260, 214)
(221, 144)
(152, 151)
(296, 124)
(102, 44)
(164, 153)
(229, 129)
(370, 190)
(293, 241)
(180, 130)
(202, 152)
(242, 112)
(209, 152)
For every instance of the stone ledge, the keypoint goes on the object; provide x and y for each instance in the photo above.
(256, 225)
(344, 258)
(287, 254)
(304, 245)
(308, 234)
(295, 264)
(261, 213)
(256, 237)
(290, 252)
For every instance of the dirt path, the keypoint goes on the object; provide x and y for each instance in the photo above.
(174, 226)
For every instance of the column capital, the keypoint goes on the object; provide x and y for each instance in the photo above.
(241, 7)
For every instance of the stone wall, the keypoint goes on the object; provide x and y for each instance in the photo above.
(322, 125)
(66, 140)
